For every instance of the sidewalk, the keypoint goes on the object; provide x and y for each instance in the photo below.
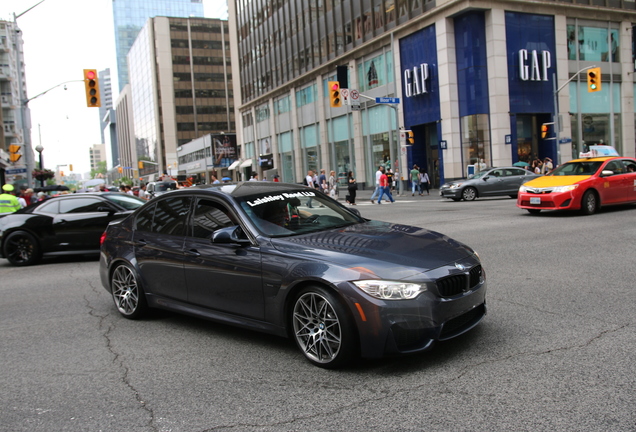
(364, 196)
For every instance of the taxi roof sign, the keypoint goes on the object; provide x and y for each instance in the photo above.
(599, 151)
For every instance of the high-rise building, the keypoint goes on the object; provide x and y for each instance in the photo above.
(473, 80)
(16, 154)
(129, 16)
(106, 92)
(180, 89)
(97, 154)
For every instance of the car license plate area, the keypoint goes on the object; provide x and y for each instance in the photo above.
(535, 200)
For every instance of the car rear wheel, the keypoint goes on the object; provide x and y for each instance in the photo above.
(323, 329)
(469, 194)
(589, 203)
(128, 295)
(21, 248)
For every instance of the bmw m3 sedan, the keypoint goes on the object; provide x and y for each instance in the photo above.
(290, 261)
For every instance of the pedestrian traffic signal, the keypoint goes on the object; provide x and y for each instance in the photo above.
(335, 100)
(594, 79)
(544, 130)
(91, 84)
(14, 156)
(410, 139)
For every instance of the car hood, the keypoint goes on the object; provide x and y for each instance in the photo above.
(552, 181)
(383, 249)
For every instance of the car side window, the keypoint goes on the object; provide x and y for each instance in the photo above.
(171, 215)
(630, 166)
(81, 205)
(614, 166)
(50, 207)
(518, 172)
(144, 219)
(208, 217)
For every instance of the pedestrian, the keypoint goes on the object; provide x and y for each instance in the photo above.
(214, 180)
(322, 181)
(385, 189)
(129, 190)
(352, 188)
(8, 202)
(276, 178)
(377, 190)
(29, 196)
(333, 185)
(142, 192)
(389, 176)
(415, 179)
(309, 181)
(254, 176)
(424, 180)
(547, 165)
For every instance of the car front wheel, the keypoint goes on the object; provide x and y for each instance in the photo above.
(21, 248)
(469, 194)
(322, 328)
(589, 203)
(129, 297)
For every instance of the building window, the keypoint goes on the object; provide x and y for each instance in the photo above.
(475, 139)
(306, 96)
(282, 105)
(593, 43)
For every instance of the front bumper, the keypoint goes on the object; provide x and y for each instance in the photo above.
(450, 192)
(549, 201)
(409, 326)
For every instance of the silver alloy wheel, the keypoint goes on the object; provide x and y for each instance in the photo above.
(125, 290)
(469, 194)
(317, 327)
(589, 201)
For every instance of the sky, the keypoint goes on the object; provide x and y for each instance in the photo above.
(61, 39)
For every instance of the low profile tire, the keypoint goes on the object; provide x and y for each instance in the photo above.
(128, 295)
(322, 328)
(469, 194)
(21, 249)
(534, 211)
(589, 203)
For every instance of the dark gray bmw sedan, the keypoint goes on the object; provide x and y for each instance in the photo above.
(290, 261)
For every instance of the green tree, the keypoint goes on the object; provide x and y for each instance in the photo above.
(100, 171)
(125, 181)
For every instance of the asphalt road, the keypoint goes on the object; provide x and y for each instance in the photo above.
(555, 352)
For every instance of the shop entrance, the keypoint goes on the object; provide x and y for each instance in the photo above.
(530, 145)
(425, 152)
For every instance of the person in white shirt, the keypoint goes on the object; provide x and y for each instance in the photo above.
(378, 189)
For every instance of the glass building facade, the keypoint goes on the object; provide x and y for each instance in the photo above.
(129, 17)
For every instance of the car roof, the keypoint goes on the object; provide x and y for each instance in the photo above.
(598, 159)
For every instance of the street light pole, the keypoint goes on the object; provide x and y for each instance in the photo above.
(40, 149)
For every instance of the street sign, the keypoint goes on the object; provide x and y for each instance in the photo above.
(345, 96)
(16, 171)
(387, 100)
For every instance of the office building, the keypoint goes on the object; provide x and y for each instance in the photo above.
(16, 154)
(475, 80)
(180, 89)
(129, 16)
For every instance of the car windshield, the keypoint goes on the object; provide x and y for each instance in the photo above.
(577, 169)
(128, 202)
(283, 214)
(480, 174)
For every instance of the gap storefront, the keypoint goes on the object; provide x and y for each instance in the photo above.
(461, 112)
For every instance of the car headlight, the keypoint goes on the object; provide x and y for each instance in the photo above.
(523, 188)
(455, 185)
(565, 188)
(390, 290)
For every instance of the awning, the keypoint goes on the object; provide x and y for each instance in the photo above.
(234, 165)
(246, 163)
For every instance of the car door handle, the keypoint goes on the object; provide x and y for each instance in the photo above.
(193, 252)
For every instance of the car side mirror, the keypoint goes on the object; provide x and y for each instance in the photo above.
(607, 173)
(229, 235)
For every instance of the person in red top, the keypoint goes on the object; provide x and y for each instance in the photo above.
(385, 188)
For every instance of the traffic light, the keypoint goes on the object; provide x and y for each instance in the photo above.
(594, 79)
(120, 170)
(14, 156)
(61, 173)
(91, 84)
(140, 165)
(410, 139)
(544, 130)
(70, 168)
(335, 100)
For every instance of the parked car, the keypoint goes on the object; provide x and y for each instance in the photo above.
(584, 184)
(63, 225)
(154, 189)
(489, 182)
(290, 261)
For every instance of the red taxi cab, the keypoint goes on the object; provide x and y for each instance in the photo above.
(600, 177)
